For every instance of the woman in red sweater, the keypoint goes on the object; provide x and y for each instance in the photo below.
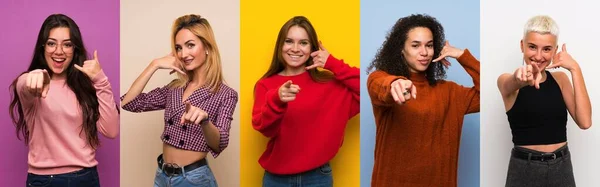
(302, 109)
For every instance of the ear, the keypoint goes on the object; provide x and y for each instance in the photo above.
(522, 51)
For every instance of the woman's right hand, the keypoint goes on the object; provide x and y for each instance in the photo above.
(38, 82)
(287, 91)
(168, 62)
(403, 90)
(528, 75)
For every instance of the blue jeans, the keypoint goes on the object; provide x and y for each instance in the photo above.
(201, 176)
(319, 177)
(87, 177)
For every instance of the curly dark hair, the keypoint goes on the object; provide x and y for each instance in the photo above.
(390, 59)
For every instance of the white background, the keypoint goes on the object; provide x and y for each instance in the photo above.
(502, 24)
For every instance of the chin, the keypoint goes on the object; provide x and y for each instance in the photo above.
(294, 64)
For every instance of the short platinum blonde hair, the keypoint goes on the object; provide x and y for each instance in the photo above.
(541, 24)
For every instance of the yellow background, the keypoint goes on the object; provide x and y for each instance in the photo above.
(337, 24)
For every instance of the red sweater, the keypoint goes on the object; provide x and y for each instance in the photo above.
(307, 132)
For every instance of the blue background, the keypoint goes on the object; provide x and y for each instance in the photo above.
(460, 19)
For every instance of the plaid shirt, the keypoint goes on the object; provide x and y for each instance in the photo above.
(219, 106)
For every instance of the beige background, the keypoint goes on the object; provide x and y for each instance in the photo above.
(145, 35)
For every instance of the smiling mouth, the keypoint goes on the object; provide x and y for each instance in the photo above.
(188, 61)
(295, 56)
(59, 60)
(424, 62)
(537, 63)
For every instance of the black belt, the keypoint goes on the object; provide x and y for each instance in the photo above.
(172, 169)
(539, 156)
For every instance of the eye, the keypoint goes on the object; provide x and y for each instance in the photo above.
(190, 45)
(414, 45)
(50, 44)
(304, 43)
(532, 47)
(68, 45)
(288, 41)
(429, 46)
(547, 49)
(177, 48)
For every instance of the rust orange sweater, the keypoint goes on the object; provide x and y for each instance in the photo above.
(417, 143)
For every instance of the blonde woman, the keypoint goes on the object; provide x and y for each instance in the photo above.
(198, 105)
(537, 102)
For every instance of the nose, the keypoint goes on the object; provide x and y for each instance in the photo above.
(295, 48)
(59, 50)
(423, 51)
(183, 53)
(538, 56)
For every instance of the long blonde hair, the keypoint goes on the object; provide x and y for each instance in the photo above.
(200, 27)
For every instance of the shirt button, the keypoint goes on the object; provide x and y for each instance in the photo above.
(170, 121)
(180, 142)
(184, 127)
(167, 137)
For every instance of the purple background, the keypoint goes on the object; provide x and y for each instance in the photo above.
(20, 22)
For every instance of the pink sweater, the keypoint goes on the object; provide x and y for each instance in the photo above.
(57, 144)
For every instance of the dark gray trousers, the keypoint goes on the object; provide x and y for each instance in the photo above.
(533, 173)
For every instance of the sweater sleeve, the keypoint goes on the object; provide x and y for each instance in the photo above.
(268, 110)
(25, 97)
(349, 77)
(108, 123)
(379, 85)
(468, 96)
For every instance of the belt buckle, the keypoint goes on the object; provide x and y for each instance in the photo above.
(553, 156)
(170, 169)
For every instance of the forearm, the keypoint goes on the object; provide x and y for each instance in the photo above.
(108, 123)
(139, 84)
(508, 84)
(379, 85)
(583, 108)
(212, 136)
(471, 65)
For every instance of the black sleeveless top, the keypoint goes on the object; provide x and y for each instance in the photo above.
(539, 117)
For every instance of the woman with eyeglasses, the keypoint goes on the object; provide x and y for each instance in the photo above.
(59, 105)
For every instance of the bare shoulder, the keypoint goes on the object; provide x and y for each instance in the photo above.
(503, 77)
(560, 76)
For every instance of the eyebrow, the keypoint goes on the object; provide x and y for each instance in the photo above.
(57, 40)
(417, 41)
(542, 46)
(186, 42)
(293, 39)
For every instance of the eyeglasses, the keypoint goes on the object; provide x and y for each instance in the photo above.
(66, 47)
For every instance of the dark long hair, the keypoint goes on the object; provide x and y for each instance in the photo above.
(389, 57)
(278, 63)
(76, 80)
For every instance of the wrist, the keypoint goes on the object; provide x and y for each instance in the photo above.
(460, 53)
(574, 68)
(205, 121)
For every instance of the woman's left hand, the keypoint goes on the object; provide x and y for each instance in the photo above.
(448, 51)
(563, 59)
(319, 57)
(91, 68)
